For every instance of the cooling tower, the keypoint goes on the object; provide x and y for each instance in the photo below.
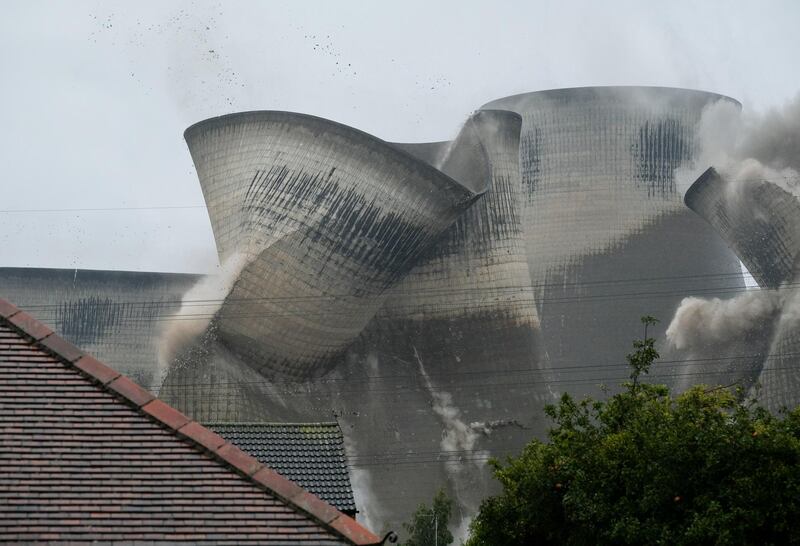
(116, 316)
(760, 220)
(608, 238)
(432, 153)
(757, 218)
(467, 306)
(455, 352)
(448, 372)
(326, 217)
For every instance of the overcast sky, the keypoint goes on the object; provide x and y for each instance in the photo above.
(95, 95)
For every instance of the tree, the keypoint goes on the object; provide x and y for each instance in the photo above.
(648, 467)
(428, 526)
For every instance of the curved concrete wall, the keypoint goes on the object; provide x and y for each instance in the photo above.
(460, 323)
(327, 217)
(116, 316)
(447, 339)
(431, 153)
(478, 268)
(780, 374)
(608, 238)
(758, 219)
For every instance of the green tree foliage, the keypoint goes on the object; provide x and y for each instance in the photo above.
(647, 467)
(428, 526)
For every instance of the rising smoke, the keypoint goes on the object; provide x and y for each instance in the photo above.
(458, 442)
(747, 150)
(700, 323)
(198, 308)
(361, 482)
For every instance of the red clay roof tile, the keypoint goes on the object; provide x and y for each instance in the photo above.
(29, 325)
(165, 414)
(96, 370)
(89, 455)
(203, 436)
(284, 488)
(238, 459)
(61, 347)
(130, 390)
(7, 309)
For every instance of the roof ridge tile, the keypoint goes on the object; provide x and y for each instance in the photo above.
(29, 326)
(8, 309)
(201, 437)
(96, 370)
(131, 391)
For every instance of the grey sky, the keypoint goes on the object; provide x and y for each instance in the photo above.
(96, 95)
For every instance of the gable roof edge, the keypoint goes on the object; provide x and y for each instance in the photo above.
(199, 436)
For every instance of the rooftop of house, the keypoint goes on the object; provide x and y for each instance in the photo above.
(310, 454)
(86, 455)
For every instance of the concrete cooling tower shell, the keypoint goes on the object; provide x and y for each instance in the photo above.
(779, 382)
(431, 153)
(478, 267)
(326, 218)
(117, 316)
(757, 218)
(448, 369)
(760, 220)
(608, 238)
(455, 350)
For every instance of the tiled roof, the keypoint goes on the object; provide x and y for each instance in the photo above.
(87, 455)
(310, 454)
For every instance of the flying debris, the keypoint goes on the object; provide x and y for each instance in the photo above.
(434, 296)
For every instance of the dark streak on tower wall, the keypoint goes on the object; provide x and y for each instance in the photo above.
(462, 319)
(602, 218)
(327, 218)
(115, 315)
(757, 218)
(761, 221)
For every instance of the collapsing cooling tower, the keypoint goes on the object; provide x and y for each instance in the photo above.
(757, 218)
(608, 238)
(457, 343)
(467, 304)
(760, 220)
(326, 217)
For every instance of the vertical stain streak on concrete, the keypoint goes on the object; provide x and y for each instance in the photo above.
(466, 309)
(116, 316)
(598, 165)
(760, 220)
(329, 219)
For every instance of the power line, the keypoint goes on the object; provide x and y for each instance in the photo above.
(444, 291)
(542, 189)
(395, 390)
(516, 371)
(394, 308)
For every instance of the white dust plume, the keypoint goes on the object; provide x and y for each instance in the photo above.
(363, 493)
(458, 442)
(198, 307)
(747, 148)
(700, 322)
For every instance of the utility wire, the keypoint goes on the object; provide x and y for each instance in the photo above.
(395, 389)
(394, 292)
(465, 307)
(495, 373)
(543, 189)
